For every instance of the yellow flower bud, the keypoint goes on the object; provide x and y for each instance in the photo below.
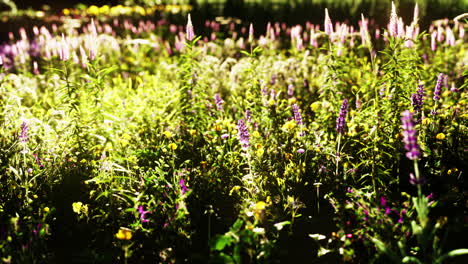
(440, 136)
(172, 146)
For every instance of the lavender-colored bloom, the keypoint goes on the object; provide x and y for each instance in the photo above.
(438, 87)
(224, 136)
(23, 137)
(417, 99)
(297, 114)
(415, 181)
(410, 137)
(273, 79)
(341, 120)
(248, 115)
(182, 186)
(190, 34)
(243, 133)
(143, 214)
(300, 151)
(219, 102)
(290, 90)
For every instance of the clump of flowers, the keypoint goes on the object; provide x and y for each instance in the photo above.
(438, 87)
(243, 133)
(410, 137)
(341, 120)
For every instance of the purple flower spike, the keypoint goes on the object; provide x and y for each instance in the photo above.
(24, 132)
(143, 214)
(417, 99)
(410, 137)
(219, 102)
(415, 181)
(297, 114)
(383, 201)
(182, 186)
(243, 133)
(438, 87)
(341, 120)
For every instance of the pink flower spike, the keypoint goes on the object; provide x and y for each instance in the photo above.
(251, 33)
(393, 24)
(328, 24)
(416, 14)
(190, 35)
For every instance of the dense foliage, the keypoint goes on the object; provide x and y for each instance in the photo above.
(139, 141)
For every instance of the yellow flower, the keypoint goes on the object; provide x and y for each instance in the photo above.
(192, 132)
(315, 106)
(172, 146)
(255, 134)
(440, 136)
(167, 133)
(124, 234)
(260, 205)
(234, 189)
(426, 121)
(291, 124)
(80, 208)
(217, 127)
(77, 207)
(46, 209)
(66, 11)
(260, 151)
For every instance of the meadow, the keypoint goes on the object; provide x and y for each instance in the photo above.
(129, 138)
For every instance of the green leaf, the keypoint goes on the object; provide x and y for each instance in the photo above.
(387, 251)
(451, 254)
(222, 242)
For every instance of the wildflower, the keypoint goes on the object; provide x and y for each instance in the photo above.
(143, 214)
(438, 87)
(328, 24)
(290, 90)
(300, 151)
(167, 134)
(297, 114)
(23, 137)
(410, 136)
(440, 136)
(434, 41)
(341, 120)
(192, 132)
(80, 208)
(224, 136)
(426, 121)
(291, 124)
(219, 102)
(124, 234)
(259, 230)
(243, 133)
(393, 24)
(190, 35)
(64, 49)
(417, 99)
(383, 201)
(416, 181)
(248, 115)
(46, 209)
(172, 146)
(182, 186)
(251, 33)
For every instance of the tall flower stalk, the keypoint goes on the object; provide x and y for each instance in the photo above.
(340, 125)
